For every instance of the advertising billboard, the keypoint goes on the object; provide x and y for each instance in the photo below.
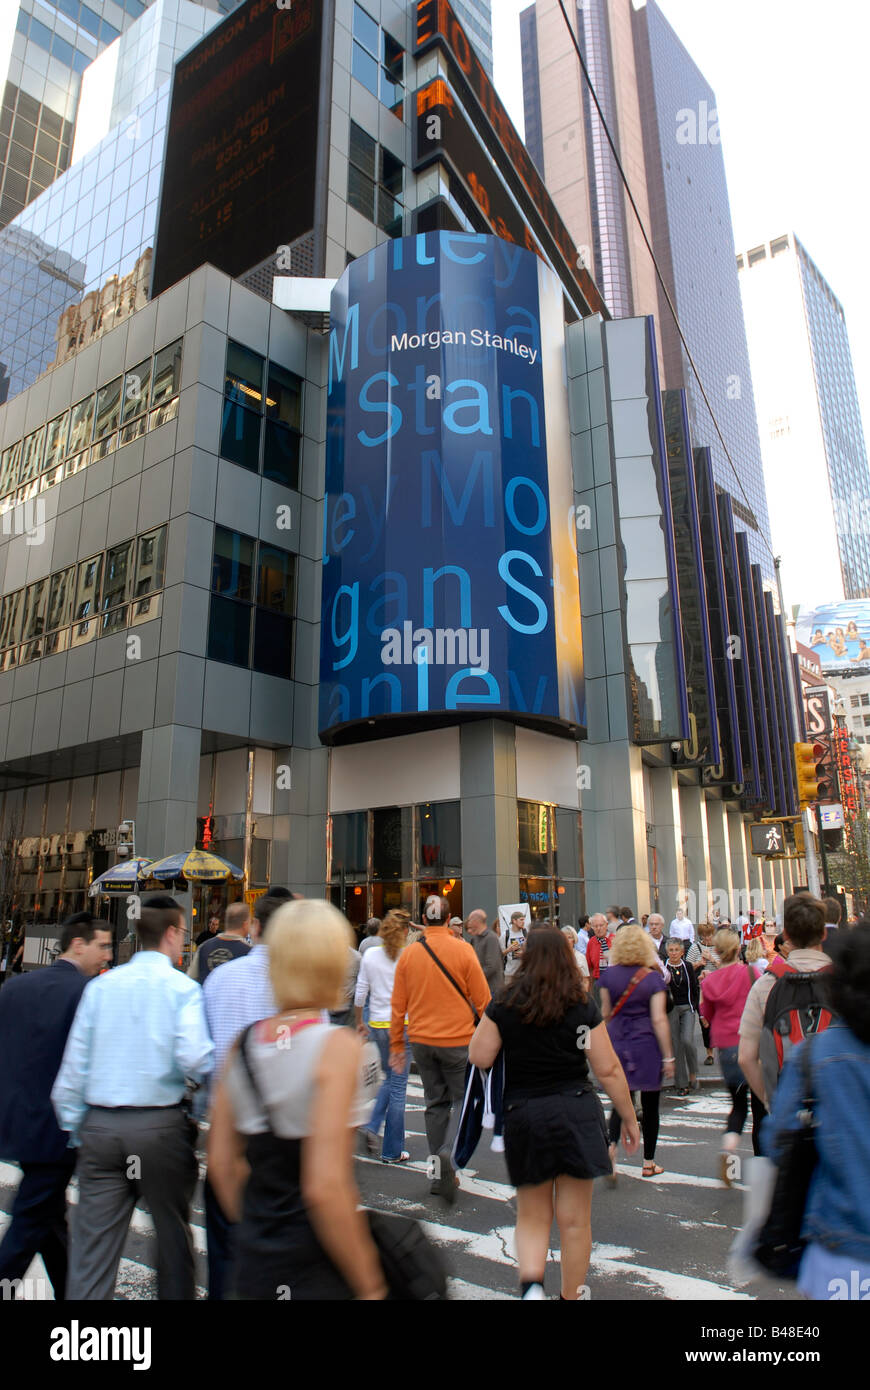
(838, 633)
(241, 147)
(450, 577)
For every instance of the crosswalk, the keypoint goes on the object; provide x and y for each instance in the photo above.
(663, 1238)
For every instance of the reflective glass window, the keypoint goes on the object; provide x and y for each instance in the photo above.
(118, 575)
(232, 570)
(365, 68)
(150, 562)
(87, 592)
(276, 570)
(240, 435)
(55, 440)
(33, 613)
(244, 376)
(439, 839)
(229, 631)
(108, 409)
(273, 643)
(31, 455)
(9, 468)
(137, 385)
(167, 373)
(81, 425)
(533, 821)
(60, 597)
(281, 452)
(366, 30)
(392, 842)
(349, 847)
(284, 396)
(10, 619)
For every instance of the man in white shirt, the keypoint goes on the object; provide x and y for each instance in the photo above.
(681, 927)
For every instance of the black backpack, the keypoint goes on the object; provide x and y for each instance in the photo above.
(795, 1008)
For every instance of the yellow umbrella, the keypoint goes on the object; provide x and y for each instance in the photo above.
(197, 865)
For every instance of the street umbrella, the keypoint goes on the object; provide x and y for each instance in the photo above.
(125, 876)
(197, 866)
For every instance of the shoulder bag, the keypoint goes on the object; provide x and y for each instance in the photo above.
(413, 1268)
(780, 1246)
(455, 983)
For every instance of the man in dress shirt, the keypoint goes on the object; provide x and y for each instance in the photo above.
(238, 994)
(139, 1032)
(36, 1014)
(681, 929)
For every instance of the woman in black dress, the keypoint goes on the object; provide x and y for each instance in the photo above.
(283, 1126)
(554, 1131)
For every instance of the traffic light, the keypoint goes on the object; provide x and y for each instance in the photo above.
(204, 831)
(826, 773)
(805, 770)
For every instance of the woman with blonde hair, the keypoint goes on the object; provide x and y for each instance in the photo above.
(375, 984)
(756, 954)
(634, 1007)
(280, 1148)
(723, 996)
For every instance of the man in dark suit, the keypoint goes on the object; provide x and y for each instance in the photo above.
(36, 1014)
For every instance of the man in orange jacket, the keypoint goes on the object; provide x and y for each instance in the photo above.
(440, 986)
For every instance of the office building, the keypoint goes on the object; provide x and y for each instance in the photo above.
(433, 664)
(662, 114)
(812, 438)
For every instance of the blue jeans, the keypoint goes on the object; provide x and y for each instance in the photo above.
(390, 1104)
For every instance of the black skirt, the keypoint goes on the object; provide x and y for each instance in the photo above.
(547, 1137)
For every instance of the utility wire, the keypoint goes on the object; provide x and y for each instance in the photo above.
(659, 275)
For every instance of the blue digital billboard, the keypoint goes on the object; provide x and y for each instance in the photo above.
(450, 582)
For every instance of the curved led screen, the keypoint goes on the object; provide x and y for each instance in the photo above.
(450, 584)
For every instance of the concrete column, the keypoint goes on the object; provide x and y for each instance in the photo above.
(721, 882)
(668, 842)
(168, 783)
(614, 827)
(693, 814)
(738, 855)
(488, 792)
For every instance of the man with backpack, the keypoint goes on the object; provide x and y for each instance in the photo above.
(789, 1001)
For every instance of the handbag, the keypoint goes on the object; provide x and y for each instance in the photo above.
(780, 1246)
(443, 968)
(413, 1267)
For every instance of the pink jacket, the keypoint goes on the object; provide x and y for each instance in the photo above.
(723, 995)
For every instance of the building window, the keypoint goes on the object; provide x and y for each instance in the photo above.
(110, 417)
(252, 604)
(378, 61)
(779, 245)
(865, 700)
(758, 253)
(71, 606)
(395, 856)
(270, 443)
(374, 181)
(551, 861)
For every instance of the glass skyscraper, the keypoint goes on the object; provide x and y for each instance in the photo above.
(815, 456)
(662, 114)
(67, 259)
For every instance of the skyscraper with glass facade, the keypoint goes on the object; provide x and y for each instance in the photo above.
(77, 242)
(662, 114)
(812, 438)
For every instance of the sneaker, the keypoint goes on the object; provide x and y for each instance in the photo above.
(401, 1158)
(534, 1293)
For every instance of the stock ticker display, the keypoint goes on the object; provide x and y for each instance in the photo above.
(242, 142)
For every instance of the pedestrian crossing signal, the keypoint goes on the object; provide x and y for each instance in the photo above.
(805, 771)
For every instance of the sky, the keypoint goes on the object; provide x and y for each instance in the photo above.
(790, 78)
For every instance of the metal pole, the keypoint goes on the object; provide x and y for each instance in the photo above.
(812, 862)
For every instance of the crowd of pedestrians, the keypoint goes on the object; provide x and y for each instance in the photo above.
(289, 1044)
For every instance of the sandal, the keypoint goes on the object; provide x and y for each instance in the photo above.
(708, 1061)
(651, 1170)
(683, 1091)
(402, 1158)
